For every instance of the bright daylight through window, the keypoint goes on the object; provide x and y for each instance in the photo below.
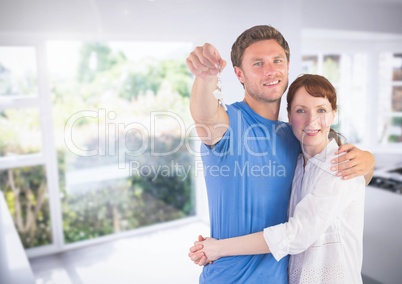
(390, 102)
(121, 140)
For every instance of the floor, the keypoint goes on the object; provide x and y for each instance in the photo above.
(151, 258)
(157, 257)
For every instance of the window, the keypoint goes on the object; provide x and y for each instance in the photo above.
(18, 71)
(390, 100)
(97, 142)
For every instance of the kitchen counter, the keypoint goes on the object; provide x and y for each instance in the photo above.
(382, 239)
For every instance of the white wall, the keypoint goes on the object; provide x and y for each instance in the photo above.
(198, 21)
(381, 16)
(194, 20)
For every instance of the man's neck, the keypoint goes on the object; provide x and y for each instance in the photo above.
(268, 110)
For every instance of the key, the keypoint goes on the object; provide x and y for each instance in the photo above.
(218, 92)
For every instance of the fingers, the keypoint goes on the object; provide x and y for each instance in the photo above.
(350, 172)
(353, 162)
(344, 165)
(203, 261)
(349, 169)
(199, 258)
(344, 148)
(346, 175)
(348, 152)
(196, 256)
(205, 61)
(345, 168)
(196, 247)
(208, 55)
(346, 160)
(222, 65)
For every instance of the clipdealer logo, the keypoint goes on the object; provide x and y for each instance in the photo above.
(112, 140)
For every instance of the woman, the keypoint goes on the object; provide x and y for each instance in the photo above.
(324, 232)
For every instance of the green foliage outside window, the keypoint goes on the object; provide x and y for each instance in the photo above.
(25, 191)
(108, 80)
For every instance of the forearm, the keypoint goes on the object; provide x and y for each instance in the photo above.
(370, 163)
(369, 176)
(244, 245)
(204, 106)
(211, 119)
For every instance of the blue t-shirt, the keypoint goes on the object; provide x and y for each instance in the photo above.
(248, 176)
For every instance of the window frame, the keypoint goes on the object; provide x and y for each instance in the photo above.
(46, 157)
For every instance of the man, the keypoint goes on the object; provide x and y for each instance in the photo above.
(255, 153)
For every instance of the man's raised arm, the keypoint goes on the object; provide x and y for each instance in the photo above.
(211, 119)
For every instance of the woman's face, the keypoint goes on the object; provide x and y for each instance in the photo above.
(311, 118)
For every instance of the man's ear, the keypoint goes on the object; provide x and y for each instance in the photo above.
(239, 74)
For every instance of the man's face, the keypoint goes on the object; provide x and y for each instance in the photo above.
(264, 71)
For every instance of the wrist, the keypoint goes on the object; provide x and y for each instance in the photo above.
(209, 82)
(225, 247)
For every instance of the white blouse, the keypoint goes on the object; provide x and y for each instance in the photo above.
(324, 233)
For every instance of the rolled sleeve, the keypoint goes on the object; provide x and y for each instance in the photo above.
(277, 241)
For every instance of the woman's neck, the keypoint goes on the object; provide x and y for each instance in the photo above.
(311, 151)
